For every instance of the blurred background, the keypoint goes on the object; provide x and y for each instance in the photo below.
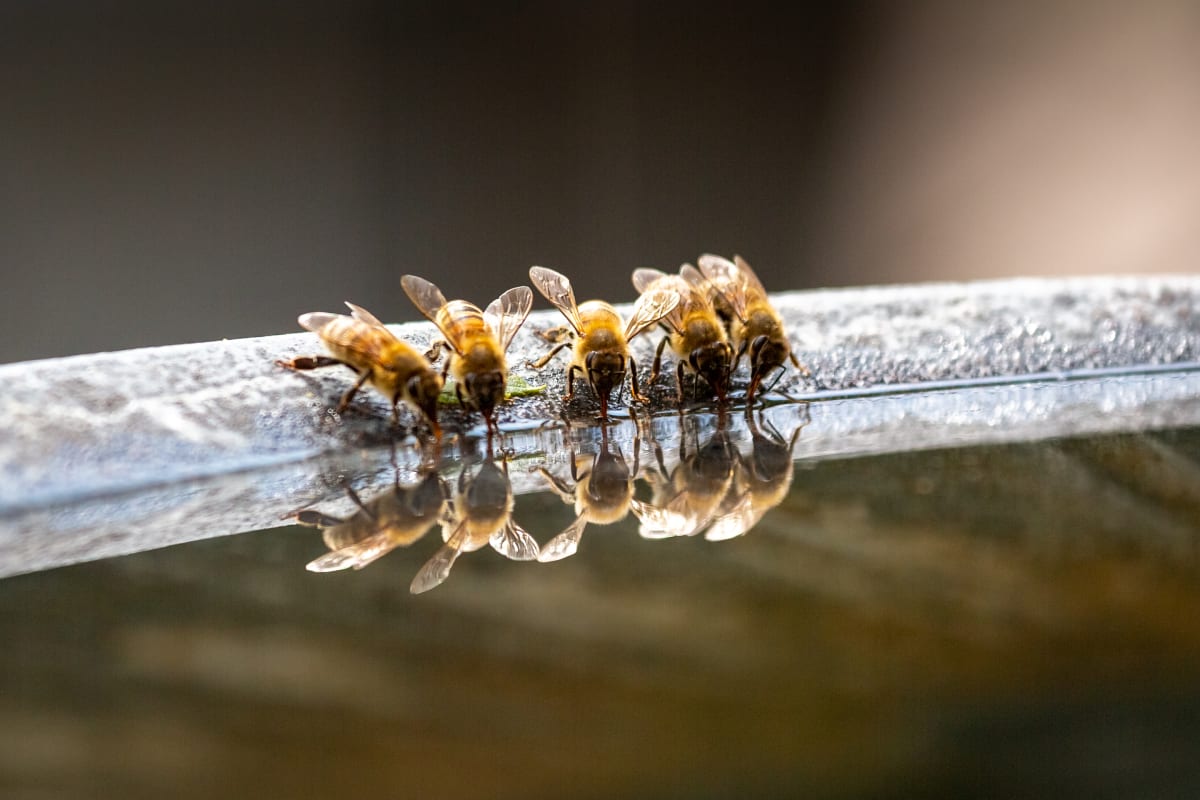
(187, 173)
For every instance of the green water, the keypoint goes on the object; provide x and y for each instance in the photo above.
(994, 620)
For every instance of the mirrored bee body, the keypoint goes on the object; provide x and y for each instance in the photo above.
(755, 326)
(695, 333)
(396, 518)
(476, 340)
(480, 514)
(695, 489)
(602, 494)
(599, 340)
(763, 480)
(365, 345)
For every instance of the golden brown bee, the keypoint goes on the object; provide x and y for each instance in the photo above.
(396, 518)
(755, 326)
(365, 345)
(477, 340)
(598, 339)
(696, 334)
(694, 491)
(602, 494)
(480, 514)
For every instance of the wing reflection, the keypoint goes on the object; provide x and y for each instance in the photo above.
(480, 514)
(717, 475)
(396, 518)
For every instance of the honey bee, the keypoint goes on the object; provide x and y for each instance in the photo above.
(396, 518)
(695, 332)
(476, 340)
(762, 482)
(362, 343)
(755, 326)
(480, 513)
(602, 494)
(694, 490)
(598, 339)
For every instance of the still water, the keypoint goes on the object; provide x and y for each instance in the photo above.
(717, 613)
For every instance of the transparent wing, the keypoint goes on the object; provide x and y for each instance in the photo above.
(316, 320)
(659, 523)
(362, 315)
(357, 555)
(643, 277)
(507, 313)
(437, 569)
(726, 278)
(512, 541)
(735, 522)
(748, 274)
(564, 544)
(424, 295)
(649, 309)
(557, 289)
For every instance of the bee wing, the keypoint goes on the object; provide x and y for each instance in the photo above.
(749, 274)
(512, 541)
(565, 543)
(357, 555)
(657, 522)
(643, 277)
(557, 289)
(316, 320)
(507, 313)
(724, 277)
(649, 309)
(437, 569)
(362, 315)
(424, 295)
(738, 520)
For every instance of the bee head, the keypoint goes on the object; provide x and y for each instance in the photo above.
(423, 389)
(766, 354)
(605, 372)
(712, 362)
(485, 390)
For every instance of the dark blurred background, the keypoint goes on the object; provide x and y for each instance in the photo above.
(179, 173)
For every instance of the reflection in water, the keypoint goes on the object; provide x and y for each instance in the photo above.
(720, 478)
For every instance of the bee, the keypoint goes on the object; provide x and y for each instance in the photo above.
(695, 332)
(602, 495)
(694, 491)
(476, 340)
(755, 327)
(598, 339)
(762, 482)
(480, 513)
(362, 343)
(396, 518)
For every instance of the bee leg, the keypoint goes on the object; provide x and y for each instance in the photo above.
(679, 384)
(636, 393)
(544, 360)
(555, 335)
(311, 362)
(353, 390)
(805, 371)
(435, 350)
(656, 367)
(315, 519)
(571, 370)
(362, 507)
(558, 485)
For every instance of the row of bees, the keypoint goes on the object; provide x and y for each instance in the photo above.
(714, 488)
(714, 315)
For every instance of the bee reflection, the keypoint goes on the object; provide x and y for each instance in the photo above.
(396, 518)
(480, 513)
(693, 491)
(762, 481)
(602, 494)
